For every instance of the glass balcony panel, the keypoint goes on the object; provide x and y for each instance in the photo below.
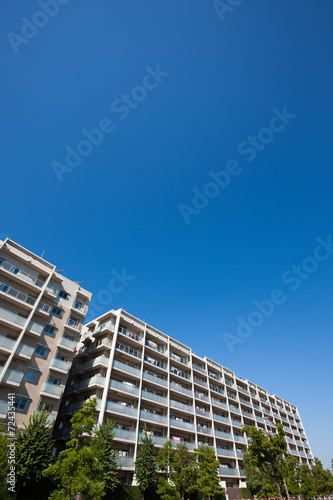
(225, 453)
(154, 417)
(181, 406)
(122, 386)
(52, 389)
(219, 418)
(181, 389)
(126, 368)
(155, 379)
(154, 397)
(181, 424)
(121, 408)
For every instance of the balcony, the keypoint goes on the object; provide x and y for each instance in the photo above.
(244, 391)
(126, 368)
(3, 409)
(179, 388)
(229, 383)
(218, 403)
(155, 379)
(128, 350)
(203, 429)
(124, 387)
(219, 418)
(179, 373)
(259, 419)
(51, 390)
(202, 412)
(35, 329)
(156, 347)
(227, 471)
(181, 406)
(24, 350)
(245, 402)
(202, 397)
(28, 278)
(60, 366)
(6, 344)
(80, 308)
(99, 361)
(125, 434)
(222, 434)
(236, 423)
(199, 368)
(130, 335)
(125, 462)
(216, 389)
(43, 308)
(234, 409)
(52, 291)
(158, 440)
(154, 397)
(16, 294)
(122, 408)
(179, 359)
(11, 317)
(200, 382)
(12, 377)
(214, 376)
(97, 380)
(240, 454)
(67, 344)
(155, 362)
(181, 424)
(153, 417)
(222, 452)
(109, 325)
(73, 324)
(240, 439)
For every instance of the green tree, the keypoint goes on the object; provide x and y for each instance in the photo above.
(103, 442)
(4, 466)
(34, 446)
(184, 473)
(256, 480)
(291, 473)
(78, 471)
(145, 465)
(207, 479)
(268, 454)
(322, 479)
(307, 485)
(165, 463)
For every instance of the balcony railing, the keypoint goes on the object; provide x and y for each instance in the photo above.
(129, 334)
(202, 412)
(199, 368)
(12, 317)
(227, 471)
(22, 274)
(222, 434)
(155, 379)
(13, 376)
(80, 307)
(236, 423)
(125, 434)
(128, 350)
(35, 327)
(244, 391)
(45, 308)
(155, 346)
(53, 389)
(202, 397)
(23, 297)
(74, 323)
(154, 397)
(25, 350)
(126, 368)
(235, 410)
(60, 364)
(216, 402)
(240, 439)
(121, 408)
(219, 418)
(225, 453)
(181, 406)
(125, 462)
(154, 417)
(180, 388)
(4, 407)
(7, 343)
(122, 386)
(65, 342)
(203, 429)
(155, 362)
(200, 382)
(179, 359)
(181, 424)
(96, 380)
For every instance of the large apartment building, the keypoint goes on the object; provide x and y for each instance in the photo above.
(41, 316)
(142, 377)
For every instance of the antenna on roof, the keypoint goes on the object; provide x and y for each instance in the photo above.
(42, 254)
(77, 282)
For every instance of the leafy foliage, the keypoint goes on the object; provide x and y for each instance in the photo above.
(207, 480)
(184, 473)
(34, 447)
(103, 441)
(145, 465)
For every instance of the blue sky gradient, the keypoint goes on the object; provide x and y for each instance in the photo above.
(120, 206)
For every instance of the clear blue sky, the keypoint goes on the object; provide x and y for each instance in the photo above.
(221, 81)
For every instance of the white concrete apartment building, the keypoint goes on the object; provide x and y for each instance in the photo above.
(41, 316)
(141, 376)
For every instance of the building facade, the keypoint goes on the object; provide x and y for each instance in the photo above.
(41, 316)
(141, 378)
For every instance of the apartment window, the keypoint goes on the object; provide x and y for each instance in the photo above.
(2, 261)
(5, 287)
(31, 375)
(56, 311)
(40, 351)
(20, 403)
(43, 406)
(49, 330)
(63, 295)
(62, 358)
(54, 381)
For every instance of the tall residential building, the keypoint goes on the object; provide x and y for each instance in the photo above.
(142, 377)
(41, 316)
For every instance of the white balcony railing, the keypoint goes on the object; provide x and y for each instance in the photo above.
(23, 297)
(13, 376)
(22, 274)
(60, 364)
(12, 317)
(53, 389)
(65, 342)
